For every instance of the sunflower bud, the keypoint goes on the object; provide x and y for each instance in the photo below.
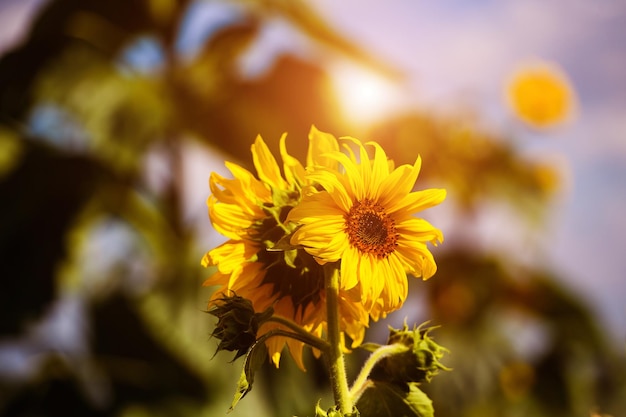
(237, 323)
(419, 363)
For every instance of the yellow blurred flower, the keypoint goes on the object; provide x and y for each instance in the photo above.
(254, 264)
(362, 216)
(540, 95)
(10, 151)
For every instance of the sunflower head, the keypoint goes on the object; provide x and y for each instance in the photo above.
(361, 213)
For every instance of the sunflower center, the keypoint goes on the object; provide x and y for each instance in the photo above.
(370, 229)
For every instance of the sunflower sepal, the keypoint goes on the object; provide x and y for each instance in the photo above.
(334, 412)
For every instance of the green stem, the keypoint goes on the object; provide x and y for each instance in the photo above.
(321, 345)
(338, 378)
(306, 337)
(361, 381)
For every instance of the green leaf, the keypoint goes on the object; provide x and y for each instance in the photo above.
(383, 399)
(254, 360)
(41, 197)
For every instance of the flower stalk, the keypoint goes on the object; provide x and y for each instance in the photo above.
(296, 336)
(303, 335)
(337, 366)
(361, 381)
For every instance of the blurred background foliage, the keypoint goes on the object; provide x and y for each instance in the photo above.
(101, 107)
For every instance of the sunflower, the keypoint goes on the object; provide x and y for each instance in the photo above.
(363, 216)
(256, 264)
(541, 95)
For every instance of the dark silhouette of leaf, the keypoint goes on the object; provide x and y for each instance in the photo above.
(139, 367)
(40, 199)
(56, 393)
(102, 27)
(301, 15)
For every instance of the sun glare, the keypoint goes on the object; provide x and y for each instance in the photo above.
(363, 95)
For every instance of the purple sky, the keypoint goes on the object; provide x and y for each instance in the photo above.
(459, 53)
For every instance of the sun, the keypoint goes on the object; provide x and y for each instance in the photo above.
(364, 95)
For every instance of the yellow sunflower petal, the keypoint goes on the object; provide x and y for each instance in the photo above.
(364, 165)
(247, 185)
(417, 259)
(354, 182)
(414, 228)
(324, 240)
(334, 187)
(294, 171)
(230, 220)
(399, 183)
(274, 345)
(295, 350)
(318, 205)
(321, 143)
(372, 275)
(354, 318)
(397, 288)
(349, 276)
(379, 171)
(419, 200)
(377, 311)
(266, 165)
(225, 252)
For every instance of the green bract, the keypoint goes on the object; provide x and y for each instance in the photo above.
(333, 412)
(237, 324)
(419, 363)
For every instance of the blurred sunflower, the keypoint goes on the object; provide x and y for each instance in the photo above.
(540, 95)
(362, 216)
(255, 264)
